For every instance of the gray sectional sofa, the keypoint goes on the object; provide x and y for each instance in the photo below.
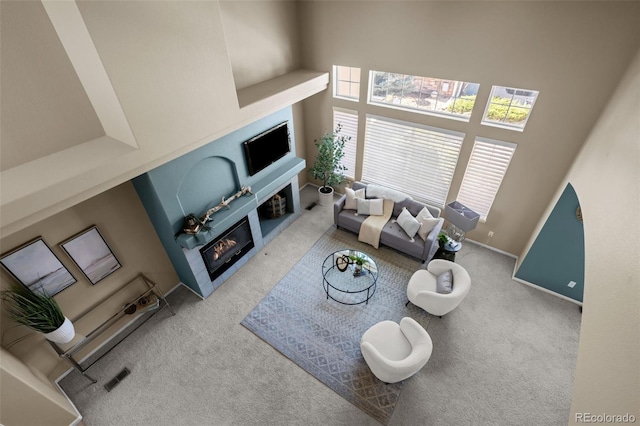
(392, 234)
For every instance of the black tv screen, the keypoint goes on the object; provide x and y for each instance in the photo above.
(267, 147)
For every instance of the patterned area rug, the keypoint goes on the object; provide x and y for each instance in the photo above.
(323, 336)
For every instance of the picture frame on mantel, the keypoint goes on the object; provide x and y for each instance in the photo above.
(35, 265)
(92, 255)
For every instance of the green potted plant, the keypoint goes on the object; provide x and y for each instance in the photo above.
(359, 260)
(327, 167)
(442, 239)
(38, 311)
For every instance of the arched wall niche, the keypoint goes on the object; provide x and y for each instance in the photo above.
(204, 185)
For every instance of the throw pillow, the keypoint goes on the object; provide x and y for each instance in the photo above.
(408, 223)
(444, 282)
(428, 222)
(374, 207)
(350, 202)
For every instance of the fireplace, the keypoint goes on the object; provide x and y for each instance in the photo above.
(221, 253)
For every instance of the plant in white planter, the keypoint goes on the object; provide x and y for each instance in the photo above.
(38, 311)
(327, 167)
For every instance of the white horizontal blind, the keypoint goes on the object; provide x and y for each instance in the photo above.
(415, 159)
(349, 120)
(486, 169)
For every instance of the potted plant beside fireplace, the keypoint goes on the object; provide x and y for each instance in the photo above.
(327, 167)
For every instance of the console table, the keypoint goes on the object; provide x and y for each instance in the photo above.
(142, 299)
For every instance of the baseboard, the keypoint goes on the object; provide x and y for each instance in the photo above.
(188, 288)
(546, 290)
(492, 248)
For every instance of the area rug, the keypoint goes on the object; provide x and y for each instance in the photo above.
(323, 336)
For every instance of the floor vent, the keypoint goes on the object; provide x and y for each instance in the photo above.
(310, 206)
(114, 382)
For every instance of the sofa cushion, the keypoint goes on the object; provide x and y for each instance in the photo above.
(444, 282)
(348, 219)
(427, 223)
(350, 202)
(373, 207)
(408, 223)
(413, 206)
(394, 236)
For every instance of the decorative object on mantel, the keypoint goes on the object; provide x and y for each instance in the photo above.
(328, 167)
(192, 224)
(38, 311)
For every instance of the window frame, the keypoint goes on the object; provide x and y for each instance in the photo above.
(350, 82)
(504, 125)
(451, 116)
(450, 141)
(473, 163)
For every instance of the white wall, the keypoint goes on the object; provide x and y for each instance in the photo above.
(606, 177)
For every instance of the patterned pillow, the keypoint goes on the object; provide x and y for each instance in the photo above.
(444, 282)
(408, 223)
(350, 202)
(374, 207)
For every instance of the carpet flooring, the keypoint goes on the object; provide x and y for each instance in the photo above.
(323, 336)
(505, 356)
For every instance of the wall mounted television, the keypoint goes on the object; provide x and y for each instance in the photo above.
(266, 148)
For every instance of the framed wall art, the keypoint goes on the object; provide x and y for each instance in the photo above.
(92, 254)
(37, 267)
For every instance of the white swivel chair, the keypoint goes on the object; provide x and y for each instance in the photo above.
(395, 352)
(421, 290)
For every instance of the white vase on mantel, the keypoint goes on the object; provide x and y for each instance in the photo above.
(63, 334)
(325, 198)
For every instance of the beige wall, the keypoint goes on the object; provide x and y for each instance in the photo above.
(262, 39)
(552, 47)
(28, 399)
(124, 224)
(44, 108)
(606, 177)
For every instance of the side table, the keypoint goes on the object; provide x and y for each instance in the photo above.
(448, 251)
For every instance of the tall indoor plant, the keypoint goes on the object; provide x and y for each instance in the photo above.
(327, 167)
(38, 311)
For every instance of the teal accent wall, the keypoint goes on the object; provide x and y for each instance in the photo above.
(198, 180)
(557, 254)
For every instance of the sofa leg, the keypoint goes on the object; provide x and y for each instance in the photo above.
(407, 304)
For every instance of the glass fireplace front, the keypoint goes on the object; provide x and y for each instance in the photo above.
(220, 254)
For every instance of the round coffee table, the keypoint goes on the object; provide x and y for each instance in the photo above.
(347, 286)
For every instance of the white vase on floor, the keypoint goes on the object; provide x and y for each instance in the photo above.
(63, 334)
(325, 198)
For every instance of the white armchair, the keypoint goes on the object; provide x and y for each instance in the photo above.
(421, 290)
(395, 352)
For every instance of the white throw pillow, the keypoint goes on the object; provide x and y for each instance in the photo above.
(428, 222)
(408, 223)
(350, 202)
(373, 207)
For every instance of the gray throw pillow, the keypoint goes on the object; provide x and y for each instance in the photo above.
(444, 282)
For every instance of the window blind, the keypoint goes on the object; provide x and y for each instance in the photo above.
(486, 168)
(349, 120)
(415, 159)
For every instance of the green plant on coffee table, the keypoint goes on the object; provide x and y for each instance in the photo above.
(358, 259)
(38, 311)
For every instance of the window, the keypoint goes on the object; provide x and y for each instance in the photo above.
(451, 98)
(346, 83)
(348, 119)
(509, 107)
(415, 159)
(486, 169)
